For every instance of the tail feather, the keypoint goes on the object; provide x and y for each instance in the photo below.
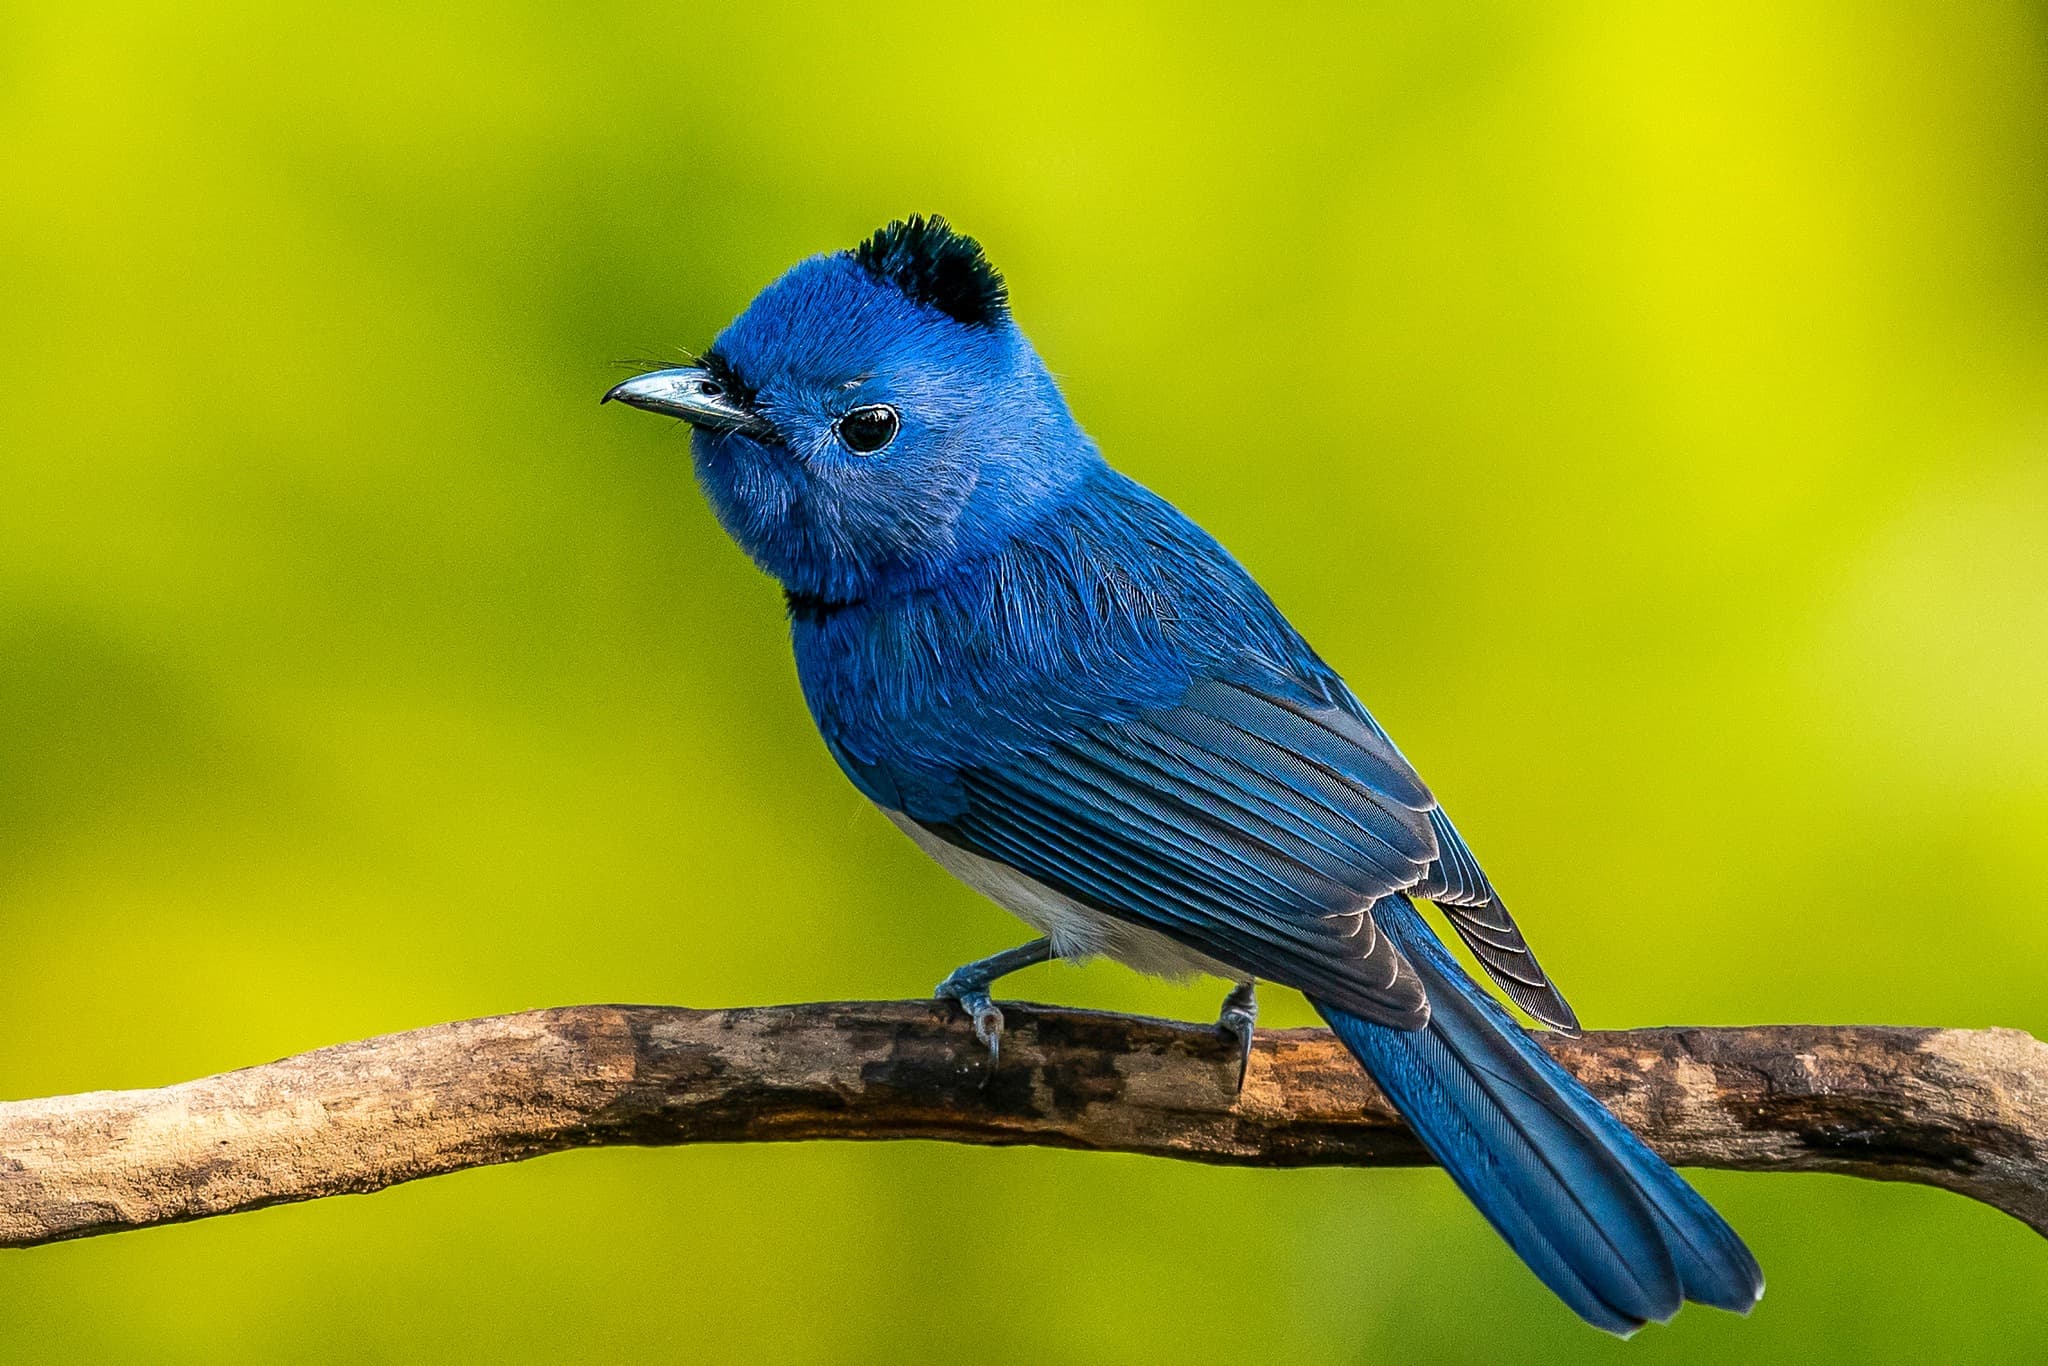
(1601, 1220)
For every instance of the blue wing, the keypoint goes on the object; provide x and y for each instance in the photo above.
(1114, 708)
(1255, 824)
(1255, 827)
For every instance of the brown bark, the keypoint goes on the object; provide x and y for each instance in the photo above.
(1966, 1110)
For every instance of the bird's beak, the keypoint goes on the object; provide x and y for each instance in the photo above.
(694, 396)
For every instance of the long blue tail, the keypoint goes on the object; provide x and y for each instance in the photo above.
(1602, 1220)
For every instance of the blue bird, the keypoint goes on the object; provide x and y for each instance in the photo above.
(1076, 701)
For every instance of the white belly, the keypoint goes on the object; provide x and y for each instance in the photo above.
(1078, 932)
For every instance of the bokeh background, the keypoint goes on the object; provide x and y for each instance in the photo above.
(1646, 409)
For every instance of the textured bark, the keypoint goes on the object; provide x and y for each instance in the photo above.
(1966, 1110)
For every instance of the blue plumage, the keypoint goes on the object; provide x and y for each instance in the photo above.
(1073, 697)
(1606, 1224)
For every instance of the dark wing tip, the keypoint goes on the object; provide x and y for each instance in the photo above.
(1546, 1006)
(1490, 932)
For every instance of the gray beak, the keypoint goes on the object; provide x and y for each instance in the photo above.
(692, 395)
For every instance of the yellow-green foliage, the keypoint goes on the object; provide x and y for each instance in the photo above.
(1647, 412)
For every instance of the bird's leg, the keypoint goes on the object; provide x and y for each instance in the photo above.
(1240, 1013)
(969, 986)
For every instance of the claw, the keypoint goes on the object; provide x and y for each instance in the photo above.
(988, 1027)
(969, 986)
(972, 994)
(1239, 1018)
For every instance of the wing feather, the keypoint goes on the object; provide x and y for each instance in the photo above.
(1461, 891)
(1255, 828)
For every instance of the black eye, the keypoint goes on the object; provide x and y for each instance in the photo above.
(867, 430)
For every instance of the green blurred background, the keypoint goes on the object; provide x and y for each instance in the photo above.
(1645, 409)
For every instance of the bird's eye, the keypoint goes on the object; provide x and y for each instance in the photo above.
(867, 430)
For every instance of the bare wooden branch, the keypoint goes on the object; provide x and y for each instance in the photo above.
(1966, 1110)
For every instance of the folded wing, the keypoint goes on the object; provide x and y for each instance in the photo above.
(1256, 828)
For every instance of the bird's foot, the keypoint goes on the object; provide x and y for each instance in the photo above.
(970, 989)
(969, 986)
(1239, 1017)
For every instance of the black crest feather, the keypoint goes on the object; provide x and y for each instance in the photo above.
(932, 264)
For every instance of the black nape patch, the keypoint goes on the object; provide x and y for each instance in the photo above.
(813, 608)
(934, 265)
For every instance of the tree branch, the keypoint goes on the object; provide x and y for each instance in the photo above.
(1966, 1110)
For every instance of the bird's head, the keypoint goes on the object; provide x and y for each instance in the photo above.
(874, 417)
